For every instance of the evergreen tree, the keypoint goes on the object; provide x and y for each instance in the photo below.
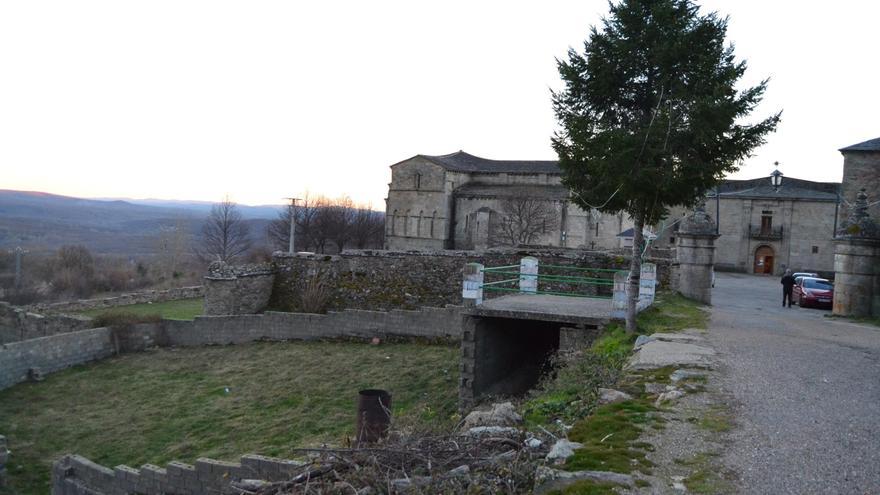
(650, 117)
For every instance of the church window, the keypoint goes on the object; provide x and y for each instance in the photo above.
(815, 249)
(419, 224)
(418, 181)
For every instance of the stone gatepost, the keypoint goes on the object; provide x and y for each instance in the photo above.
(696, 255)
(528, 275)
(857, 263)
(472, 285)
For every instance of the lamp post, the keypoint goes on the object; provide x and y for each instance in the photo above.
(776, 178)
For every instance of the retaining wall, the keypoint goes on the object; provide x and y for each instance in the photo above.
(76, 475)
(17, 324)
(405, 280)
(122, 300)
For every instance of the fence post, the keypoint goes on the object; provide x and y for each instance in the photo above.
(618, 298)
(647, 285)
(528, 275)
(472, 286)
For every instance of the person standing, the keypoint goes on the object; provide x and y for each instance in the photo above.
(787, 287)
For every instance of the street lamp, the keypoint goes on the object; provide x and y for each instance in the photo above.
(776, 178)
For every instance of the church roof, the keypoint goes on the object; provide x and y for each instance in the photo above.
(465, 162)
(791, 188)
(870, 145)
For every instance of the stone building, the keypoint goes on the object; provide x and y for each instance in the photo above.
(766, 230)
(461, 201)
(861, 170)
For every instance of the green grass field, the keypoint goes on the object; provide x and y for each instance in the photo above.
(172, 404)
(182, 309)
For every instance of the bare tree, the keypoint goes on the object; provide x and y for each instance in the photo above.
(279, 229)
(225, 236)
(367, 227)
(523, 220)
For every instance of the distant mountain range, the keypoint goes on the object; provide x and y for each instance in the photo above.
(40, 221)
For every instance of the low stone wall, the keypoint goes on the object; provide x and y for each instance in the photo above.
(34, 358)
(76, 475)
(235, 290)
(17, 324)
(405, 280)
(121, 300)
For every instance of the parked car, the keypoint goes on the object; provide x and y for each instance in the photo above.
(805, 274)
(812, 291)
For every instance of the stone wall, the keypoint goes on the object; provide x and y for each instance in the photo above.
(233, 290)
(383, 280)
(122, 300)
(76, 475)
(29, 359)
(17, 324)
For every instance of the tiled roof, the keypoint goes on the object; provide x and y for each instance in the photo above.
(465, 162)
(871, 145)
(791, 189)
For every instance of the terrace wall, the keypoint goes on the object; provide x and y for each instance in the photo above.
(141, 297)
(17, 324)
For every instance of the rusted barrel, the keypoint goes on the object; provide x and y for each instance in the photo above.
(373, 415)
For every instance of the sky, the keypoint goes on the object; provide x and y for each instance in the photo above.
(270, 99)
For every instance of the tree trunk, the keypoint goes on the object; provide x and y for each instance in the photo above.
(635, 270)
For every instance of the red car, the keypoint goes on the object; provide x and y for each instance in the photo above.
(811, 291)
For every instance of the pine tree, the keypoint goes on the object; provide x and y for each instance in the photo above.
(650, 117)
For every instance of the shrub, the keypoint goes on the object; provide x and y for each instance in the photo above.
(315, 294)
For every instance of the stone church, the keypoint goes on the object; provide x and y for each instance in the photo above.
(461, 201)
(458, 201)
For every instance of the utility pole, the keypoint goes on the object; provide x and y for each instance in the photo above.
(292, 210)
(18, 252)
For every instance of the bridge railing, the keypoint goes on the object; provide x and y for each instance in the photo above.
(556, 280)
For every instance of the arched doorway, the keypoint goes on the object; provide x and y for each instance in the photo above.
(764, 260)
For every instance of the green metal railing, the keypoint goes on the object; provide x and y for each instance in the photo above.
(555, 284)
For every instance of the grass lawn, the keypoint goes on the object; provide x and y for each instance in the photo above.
(172, 404)
(181, 309)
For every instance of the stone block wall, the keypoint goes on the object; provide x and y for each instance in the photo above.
(20, 361)
(237, 290)
(384, 280)
(76, 475)
(141, 297)
(17, 324)
(28, 359)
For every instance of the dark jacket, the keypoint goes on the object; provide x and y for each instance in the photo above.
(787, 282)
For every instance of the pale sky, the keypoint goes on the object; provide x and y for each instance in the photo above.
(264, 99)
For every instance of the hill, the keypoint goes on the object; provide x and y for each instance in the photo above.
(42, 222)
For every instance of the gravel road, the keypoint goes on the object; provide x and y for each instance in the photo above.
(806, 392)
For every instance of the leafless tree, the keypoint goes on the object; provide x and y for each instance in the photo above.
(367, 227)
(523, 220)
(323, 224)
(225, 235)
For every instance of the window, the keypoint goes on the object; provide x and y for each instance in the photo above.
(418, 181)
(672, 240)
(766, 224)
(815, 249)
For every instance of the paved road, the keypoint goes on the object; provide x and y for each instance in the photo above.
(806, 390)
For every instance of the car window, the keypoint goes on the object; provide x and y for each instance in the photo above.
(818, 284)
